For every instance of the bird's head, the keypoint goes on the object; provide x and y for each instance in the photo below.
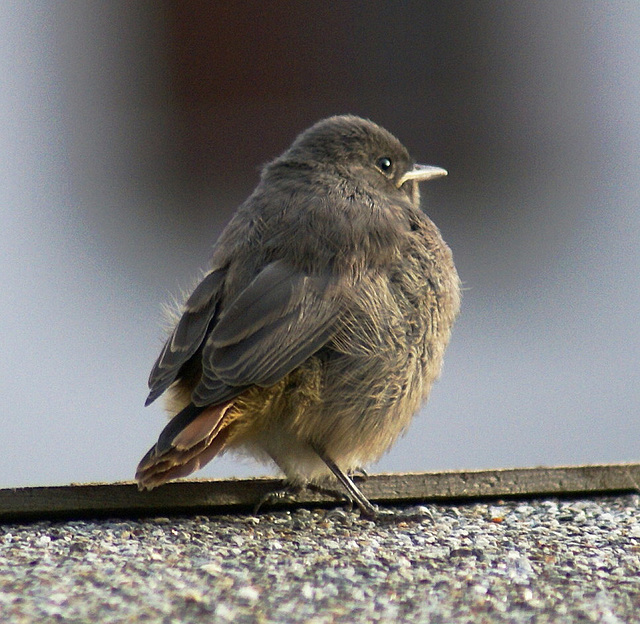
(360, 149)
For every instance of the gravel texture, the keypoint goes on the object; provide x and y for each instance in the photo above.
(515, 561)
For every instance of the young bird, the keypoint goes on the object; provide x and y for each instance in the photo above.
(322, 323)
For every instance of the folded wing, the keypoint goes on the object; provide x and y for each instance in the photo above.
(278, 321)
(281, 318)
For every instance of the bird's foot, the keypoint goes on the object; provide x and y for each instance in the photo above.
(286, 494)
(359, 474)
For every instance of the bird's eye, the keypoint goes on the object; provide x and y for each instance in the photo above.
(384, 164)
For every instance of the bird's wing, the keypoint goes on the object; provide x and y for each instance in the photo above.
(280, 319)
(188, 335)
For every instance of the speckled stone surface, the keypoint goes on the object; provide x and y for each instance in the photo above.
(516, 561)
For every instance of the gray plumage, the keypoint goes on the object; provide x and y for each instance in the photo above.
(322, 323)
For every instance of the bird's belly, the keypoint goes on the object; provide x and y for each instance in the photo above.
(357, 395)
(354, 408)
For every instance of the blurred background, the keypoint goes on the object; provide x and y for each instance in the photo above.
(129, 132)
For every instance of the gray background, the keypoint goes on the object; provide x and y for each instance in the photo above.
(129, 133)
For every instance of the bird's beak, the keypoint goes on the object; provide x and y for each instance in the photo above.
(420, 173)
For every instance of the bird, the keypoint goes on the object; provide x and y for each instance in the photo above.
(321, 323)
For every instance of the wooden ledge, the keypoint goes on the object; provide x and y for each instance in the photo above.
(122, 499)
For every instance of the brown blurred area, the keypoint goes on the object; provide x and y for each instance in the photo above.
(493, 91)
(246, 77)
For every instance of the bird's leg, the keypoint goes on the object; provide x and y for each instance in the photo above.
(366, 508)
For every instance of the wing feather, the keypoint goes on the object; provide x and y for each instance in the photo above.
(188, 335)
(277, 322)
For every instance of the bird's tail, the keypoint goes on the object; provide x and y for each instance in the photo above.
(192, 439)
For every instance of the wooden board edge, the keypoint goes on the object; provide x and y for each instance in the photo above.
(122, 499)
